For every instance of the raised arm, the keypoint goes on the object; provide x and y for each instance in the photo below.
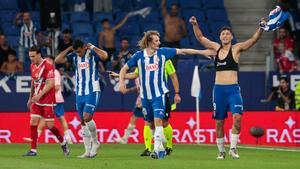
(201, 38)
(242, 46)
(164, 11)
(207, 53)
(121, 23)
(61, 57)
(122, 86)
(101, 53)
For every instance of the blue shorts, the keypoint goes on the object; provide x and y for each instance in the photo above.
(87, 103)
(59, 109)
(227, 98)
(154, 108)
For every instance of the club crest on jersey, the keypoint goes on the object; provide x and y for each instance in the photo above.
(151, 67)
(83, 65)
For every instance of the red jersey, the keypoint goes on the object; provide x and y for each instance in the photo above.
(39, 75)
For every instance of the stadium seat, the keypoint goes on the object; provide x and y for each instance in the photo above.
(216, 26)
(199, 14)
(65, 26)
(152, 26)
(133, 40)
(185, 65)
(65, 16)
(122, 5)
(8, 15)
(213, 4)
(138, 4)
(185, 42)
(10, 29)
(99, 16)
(80, 28)
(88, 39)
(13, 41)
(129, 29)
(190, 4)
(79, 16)
(35, 16)
(217, 15)
(9, 4)
(195, 43)
(98, 27)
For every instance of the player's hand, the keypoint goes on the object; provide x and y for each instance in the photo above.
(70, 48)
(193, 20)
(112, 74)
(36, 98)
(177, 98)
(29, 102)
(90, 46)
(122, 87)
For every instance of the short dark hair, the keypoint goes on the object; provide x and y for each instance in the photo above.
(226, 28)
(65, 31)
(50, 57)
(284, 78)
(35, 49)
(104, 20)
(77, 44)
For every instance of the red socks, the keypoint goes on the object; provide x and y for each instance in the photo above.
(33, 135)
(56, 132)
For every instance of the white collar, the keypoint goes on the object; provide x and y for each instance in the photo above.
(147, 55)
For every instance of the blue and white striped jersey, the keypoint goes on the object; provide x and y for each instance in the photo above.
(27, 36)
(151, 71)
(86, 72)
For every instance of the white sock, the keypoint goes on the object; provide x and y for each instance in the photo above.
(220, 144)
(91, 125)
(234, 140)
(159, 137)
(67, 135)
(128, 131)
(87, 141)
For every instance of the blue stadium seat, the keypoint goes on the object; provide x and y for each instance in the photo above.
(213, 4)
(80, 28)
(216, 26)
(9, 4)
(187, 13)
(65, 17)
(122, 5)
(88, 39)
(138, 4)
(217, 15)
(190, 4)
(13, 41)
(99, 16)
(8, 15)
(185, 42)
(133, 40)
(35, 16)
(195, 43)
(129, 29)
(98, 27)
(185, 65)
(10, 29)
(65, 26)
(79, 16)
(152, 26)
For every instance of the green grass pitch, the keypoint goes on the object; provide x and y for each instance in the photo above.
(113, 156)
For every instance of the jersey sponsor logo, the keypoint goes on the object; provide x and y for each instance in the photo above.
(83, 65)
(221, 63)
(151, 67)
